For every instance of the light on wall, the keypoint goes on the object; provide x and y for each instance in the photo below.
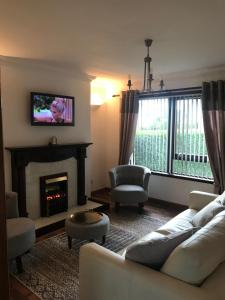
(97, 93)
(103, 89)
(96, 99)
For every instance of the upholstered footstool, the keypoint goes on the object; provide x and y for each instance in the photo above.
(87, 226)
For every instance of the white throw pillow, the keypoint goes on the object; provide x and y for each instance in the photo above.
(207, 213)
(196, 258)
(154, 250)
(221, 198)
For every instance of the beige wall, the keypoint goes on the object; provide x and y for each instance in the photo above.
(17, 81)
(112, 139)
(105, 135)
(105, 121)
(98, 149)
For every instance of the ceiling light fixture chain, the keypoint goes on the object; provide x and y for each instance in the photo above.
(148, 76)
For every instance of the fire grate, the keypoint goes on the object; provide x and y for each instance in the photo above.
(53, 194)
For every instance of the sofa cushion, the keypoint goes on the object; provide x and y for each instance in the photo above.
(196, 258)
(181, 222)
(207, 213)
(221, 198)
(154, 249)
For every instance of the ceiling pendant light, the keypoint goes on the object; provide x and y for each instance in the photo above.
(148, 76)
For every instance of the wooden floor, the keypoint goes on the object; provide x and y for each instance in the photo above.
(19, 292)
(163, 207)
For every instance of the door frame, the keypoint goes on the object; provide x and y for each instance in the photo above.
(4, 273)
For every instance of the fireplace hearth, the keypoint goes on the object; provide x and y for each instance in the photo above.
(53, 194)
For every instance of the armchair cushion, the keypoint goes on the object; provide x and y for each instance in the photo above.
(11, 205)
(20, 231)
(129, 194)
(20, 236)
(129, 174)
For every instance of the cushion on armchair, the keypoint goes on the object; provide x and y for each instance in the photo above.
(129, 193)
(11, 205)
(133, 175)
(20, 236)
(20, 231)
(154, 249)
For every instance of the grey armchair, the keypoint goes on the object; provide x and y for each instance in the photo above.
(20, 231)
(129, 185)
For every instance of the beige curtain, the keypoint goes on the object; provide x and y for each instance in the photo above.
(213, 105)
(129, 115)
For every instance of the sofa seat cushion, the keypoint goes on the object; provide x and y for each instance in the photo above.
(153, 249)
(207, 213)
(125, 193)
(180, 222)
(20, 236)
(196, 258)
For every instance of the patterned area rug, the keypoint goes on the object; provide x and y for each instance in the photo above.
(130, 220)
(51, 269)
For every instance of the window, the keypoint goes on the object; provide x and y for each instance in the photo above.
(170, 135)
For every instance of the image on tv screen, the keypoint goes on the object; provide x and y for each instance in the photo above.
(52, 110)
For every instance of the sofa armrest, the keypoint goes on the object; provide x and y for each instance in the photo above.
(107, 275)
(197, 199)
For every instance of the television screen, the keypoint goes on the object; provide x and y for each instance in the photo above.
(52, 110)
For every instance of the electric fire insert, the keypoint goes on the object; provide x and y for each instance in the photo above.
(53, 194)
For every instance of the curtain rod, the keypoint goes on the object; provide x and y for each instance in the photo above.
(173, 92)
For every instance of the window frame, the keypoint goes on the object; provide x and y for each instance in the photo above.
(172, 96)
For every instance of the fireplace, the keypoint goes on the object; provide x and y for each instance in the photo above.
(22, 156)
(53, 194)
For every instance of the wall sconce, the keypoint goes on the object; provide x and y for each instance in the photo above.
(97, 93)
(103, 89)
(96, 99)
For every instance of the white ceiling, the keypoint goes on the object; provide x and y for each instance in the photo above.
(107, 36)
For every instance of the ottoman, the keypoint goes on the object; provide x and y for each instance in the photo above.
(87, 226)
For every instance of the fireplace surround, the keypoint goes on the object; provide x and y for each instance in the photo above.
(22, 156)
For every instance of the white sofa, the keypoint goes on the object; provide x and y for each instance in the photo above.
(105, 275)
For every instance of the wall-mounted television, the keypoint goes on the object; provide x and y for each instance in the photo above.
(52, 110)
